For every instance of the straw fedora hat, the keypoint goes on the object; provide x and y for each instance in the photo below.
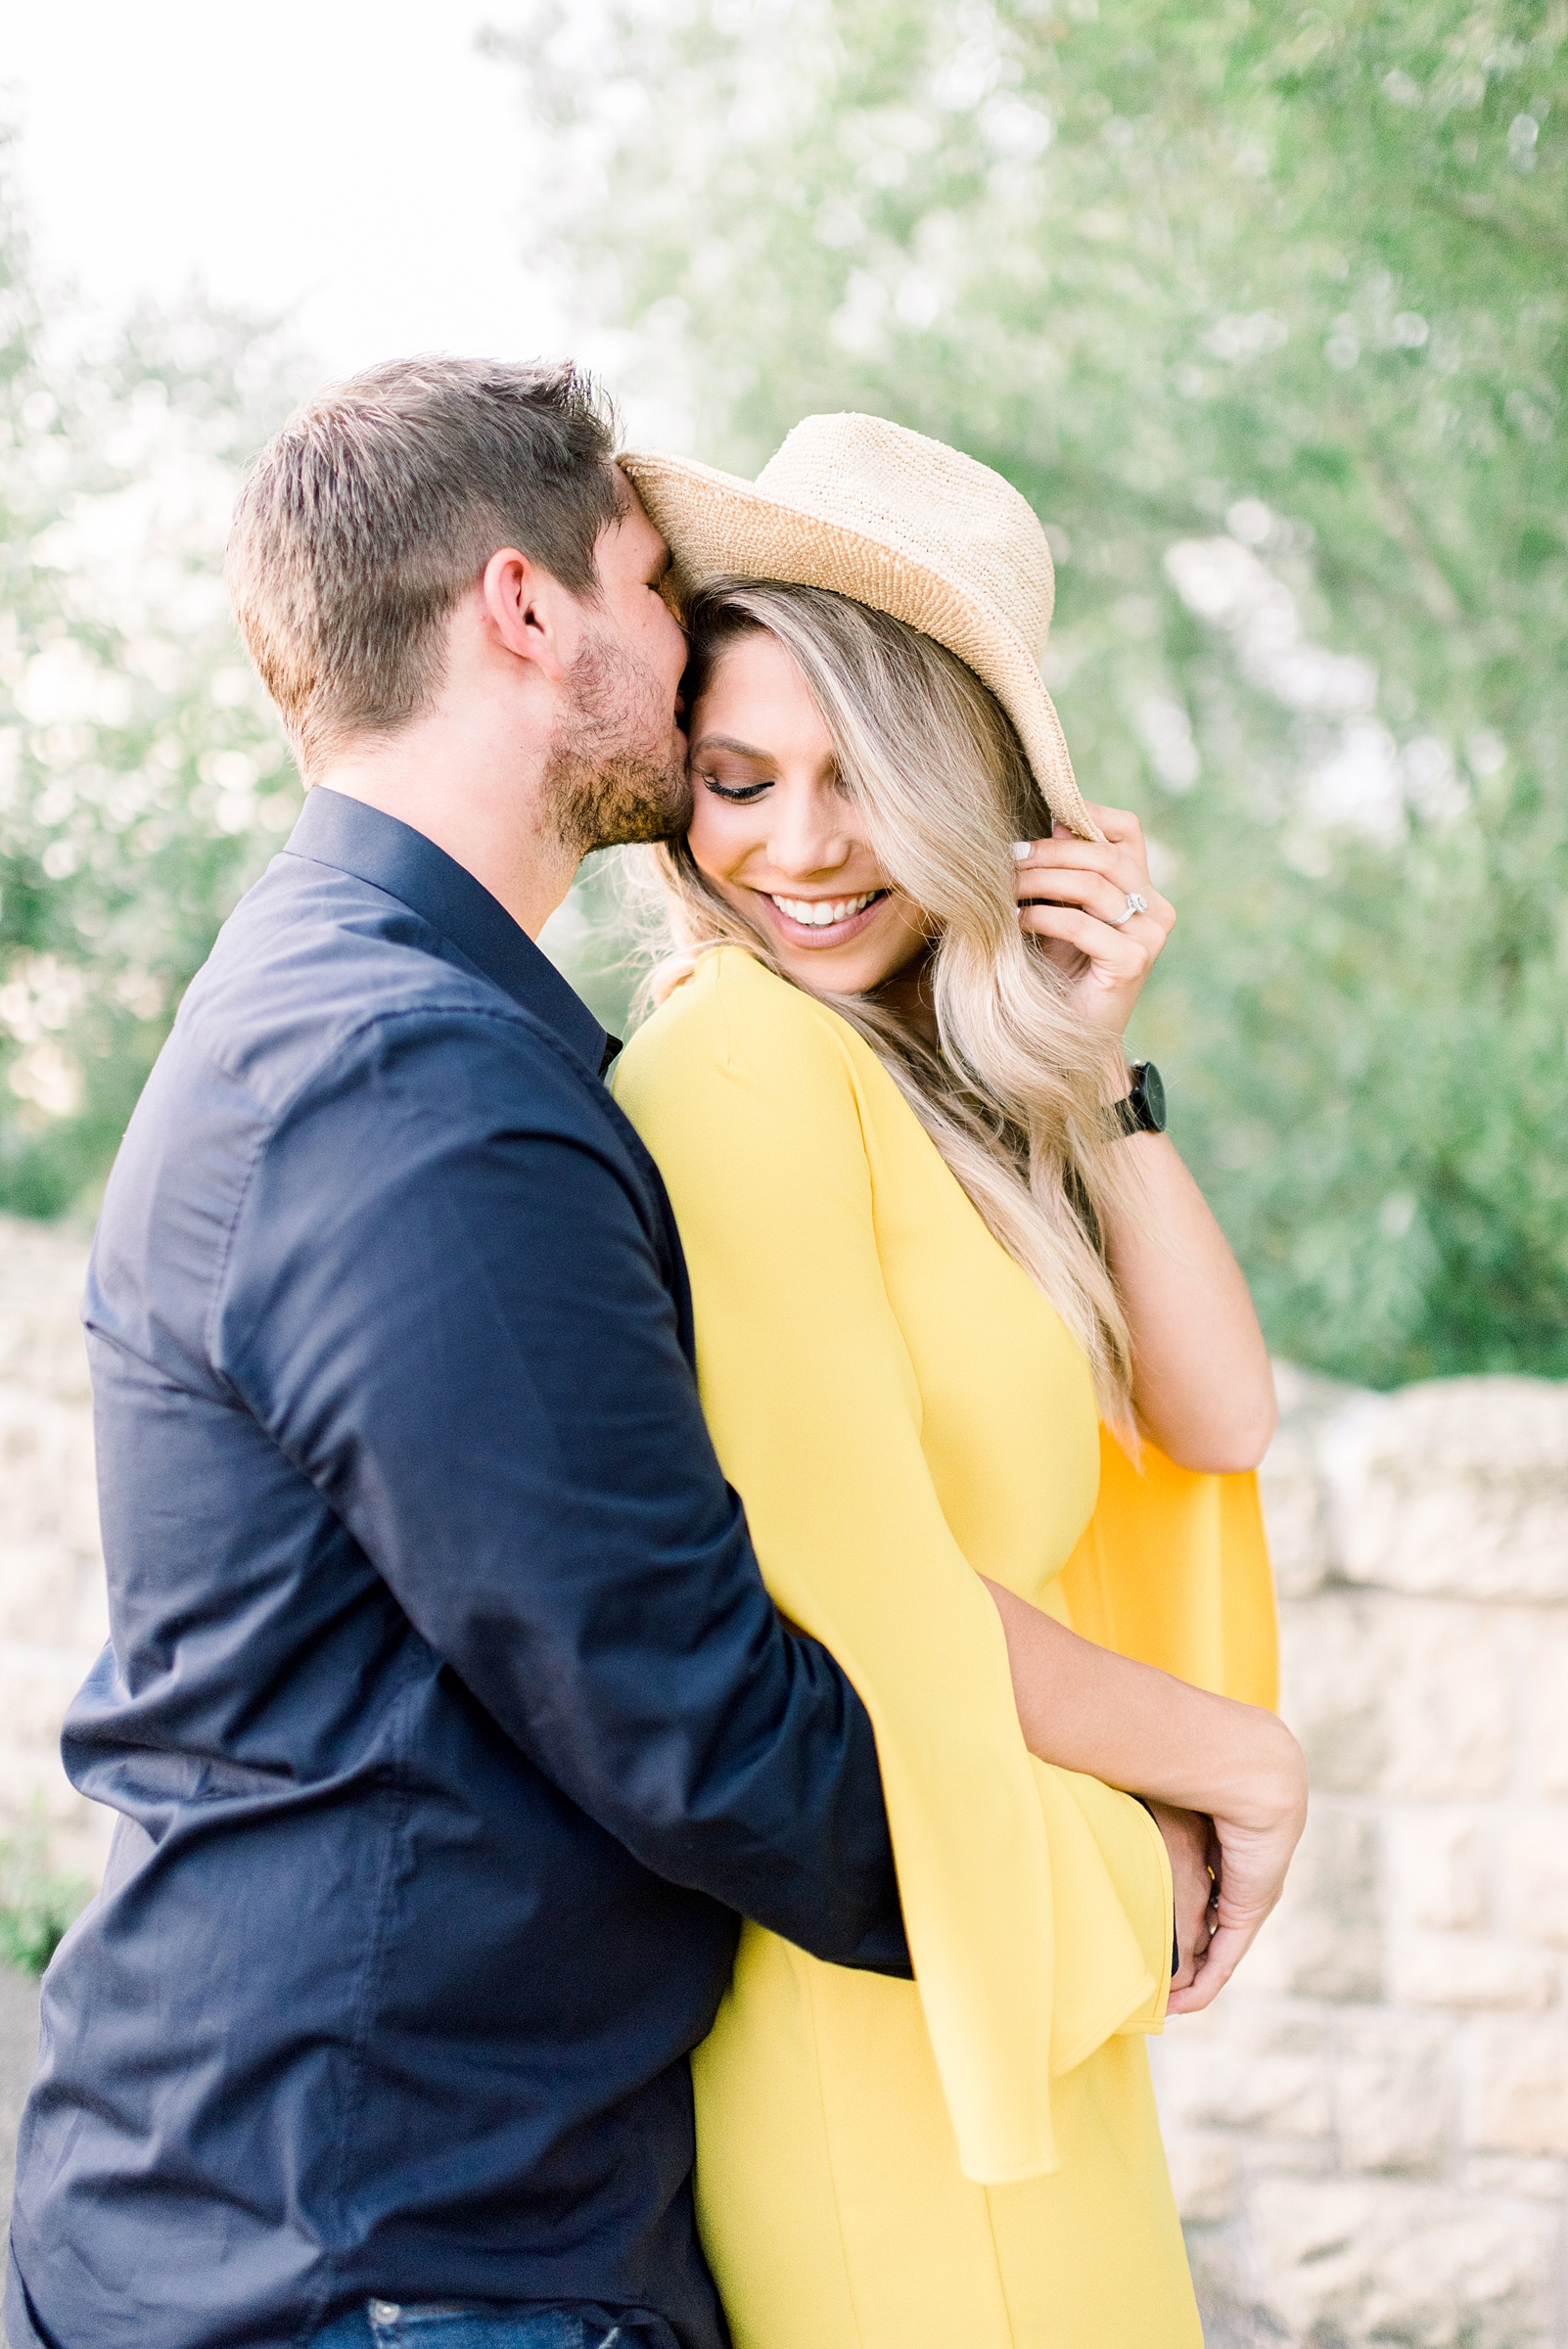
(898, 521)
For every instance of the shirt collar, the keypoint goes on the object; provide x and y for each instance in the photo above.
(334, 829)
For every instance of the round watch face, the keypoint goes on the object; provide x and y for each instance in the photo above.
(1153, 1092)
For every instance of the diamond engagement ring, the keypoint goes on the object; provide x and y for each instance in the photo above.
(1135, 904)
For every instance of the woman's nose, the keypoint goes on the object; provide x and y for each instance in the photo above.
(809, 837)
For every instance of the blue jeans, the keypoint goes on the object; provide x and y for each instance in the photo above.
(485, 2325)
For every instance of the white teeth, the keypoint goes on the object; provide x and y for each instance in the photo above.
(821, 913)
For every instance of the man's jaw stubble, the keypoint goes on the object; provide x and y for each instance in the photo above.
(608, 783)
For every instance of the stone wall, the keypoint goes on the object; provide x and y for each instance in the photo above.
(1369, 2132)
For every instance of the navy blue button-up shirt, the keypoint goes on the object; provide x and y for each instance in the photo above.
(446, 1716)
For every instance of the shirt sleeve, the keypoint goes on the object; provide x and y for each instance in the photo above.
(1036, 1902)
(449, 1299)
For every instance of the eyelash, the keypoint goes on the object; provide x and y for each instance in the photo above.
(741, 797)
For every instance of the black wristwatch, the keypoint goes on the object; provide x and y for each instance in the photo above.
(1142, 1110)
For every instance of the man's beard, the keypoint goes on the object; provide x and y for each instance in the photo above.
(616, 772)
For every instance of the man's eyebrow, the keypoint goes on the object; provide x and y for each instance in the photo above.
(727, 742)
(659, 567)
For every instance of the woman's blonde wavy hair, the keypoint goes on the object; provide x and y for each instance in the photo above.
(1013, 1098)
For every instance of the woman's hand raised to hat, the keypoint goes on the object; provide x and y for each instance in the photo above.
(1080, 899)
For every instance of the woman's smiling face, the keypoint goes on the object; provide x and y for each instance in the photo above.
(776, 833)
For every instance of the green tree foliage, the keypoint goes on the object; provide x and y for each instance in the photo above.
(142, 780)
(37, 1906)
(1264, 308)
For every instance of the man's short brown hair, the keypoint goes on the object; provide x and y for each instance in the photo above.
(377, 507)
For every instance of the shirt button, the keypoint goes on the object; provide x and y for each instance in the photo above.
(386, 2312)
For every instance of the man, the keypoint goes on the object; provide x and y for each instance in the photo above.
(448, 1719)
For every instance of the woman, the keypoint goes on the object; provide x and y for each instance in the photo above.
(932, 1242)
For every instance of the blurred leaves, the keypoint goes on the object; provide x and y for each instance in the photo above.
(142, 776)
(1265, 310)
(37, 1908)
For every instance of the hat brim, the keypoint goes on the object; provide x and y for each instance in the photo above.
(717, 525)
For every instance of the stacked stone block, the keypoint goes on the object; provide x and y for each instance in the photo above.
(1369, 2132)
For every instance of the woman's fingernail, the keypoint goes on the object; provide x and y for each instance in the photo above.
(1023, 850)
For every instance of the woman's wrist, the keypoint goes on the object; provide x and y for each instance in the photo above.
(1262, 1786)
(1131, 1726)
(1228, 1760)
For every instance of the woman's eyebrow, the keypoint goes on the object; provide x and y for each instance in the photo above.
(727, 742)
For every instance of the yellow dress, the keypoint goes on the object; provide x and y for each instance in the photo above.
(971, 2161)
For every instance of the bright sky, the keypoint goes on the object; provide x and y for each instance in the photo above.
(360, 166)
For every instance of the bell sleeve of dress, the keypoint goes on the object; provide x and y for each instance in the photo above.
(1173, 1569)
(1036, 1903)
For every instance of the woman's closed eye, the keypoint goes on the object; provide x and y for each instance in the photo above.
(742, 792)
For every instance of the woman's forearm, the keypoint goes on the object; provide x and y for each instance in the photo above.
(1139, 1730)
(1202, 1383)
(1131, 1726)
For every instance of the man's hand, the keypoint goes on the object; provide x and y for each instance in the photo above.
(1189, 1841)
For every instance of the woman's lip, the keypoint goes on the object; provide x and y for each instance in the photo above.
(836, 934)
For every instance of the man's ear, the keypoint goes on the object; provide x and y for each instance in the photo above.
(530, 611)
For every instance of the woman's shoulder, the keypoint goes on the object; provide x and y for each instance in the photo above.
(735, 1018)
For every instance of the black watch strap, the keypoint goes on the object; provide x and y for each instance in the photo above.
(1142, 1110)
